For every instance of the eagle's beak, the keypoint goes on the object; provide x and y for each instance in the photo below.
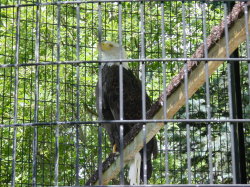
(103, 46)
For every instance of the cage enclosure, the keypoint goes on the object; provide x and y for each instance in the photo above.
(184, 84)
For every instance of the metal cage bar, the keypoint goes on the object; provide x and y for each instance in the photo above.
(34, 174)
(100, 96)
(121, 95)
(58, 57)
(77, 92)
(143, 77)
(164, 93)
(16, 94)
(208, 106)
(124, 60)
(230, 94)
(129, 121)
(186, 92)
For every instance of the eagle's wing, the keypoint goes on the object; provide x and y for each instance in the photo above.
(111, 128)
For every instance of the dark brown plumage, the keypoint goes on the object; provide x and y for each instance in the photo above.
(132, 99)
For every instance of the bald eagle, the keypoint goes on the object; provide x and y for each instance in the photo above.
(132, 99)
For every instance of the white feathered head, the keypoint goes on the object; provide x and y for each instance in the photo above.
(111, 51)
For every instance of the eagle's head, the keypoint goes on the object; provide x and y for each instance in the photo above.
(111, 51)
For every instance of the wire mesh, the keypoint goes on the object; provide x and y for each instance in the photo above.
(50, 66)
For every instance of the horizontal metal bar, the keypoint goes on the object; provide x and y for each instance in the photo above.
(129, 121)
(96, 1)
(126, 60)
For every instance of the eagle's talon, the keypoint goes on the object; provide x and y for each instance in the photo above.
(115, 152)
(115, 148)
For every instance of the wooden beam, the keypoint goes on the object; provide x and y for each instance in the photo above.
(175, 101)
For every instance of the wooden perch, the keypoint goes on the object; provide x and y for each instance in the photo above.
(175, 90)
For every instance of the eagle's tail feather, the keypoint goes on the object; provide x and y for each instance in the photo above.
(134, 170)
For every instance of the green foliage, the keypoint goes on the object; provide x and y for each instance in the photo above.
(88, 75)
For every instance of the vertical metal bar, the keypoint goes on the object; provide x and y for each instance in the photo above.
(37, 48)
(230, 95)
(121, 94)
(163, 56)
(77, 91)
(16, 93)
(142, 31)
(77, 155)
(208, 106)
(186, 91)
(164, 91)
(100, 96)
(58, 92)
